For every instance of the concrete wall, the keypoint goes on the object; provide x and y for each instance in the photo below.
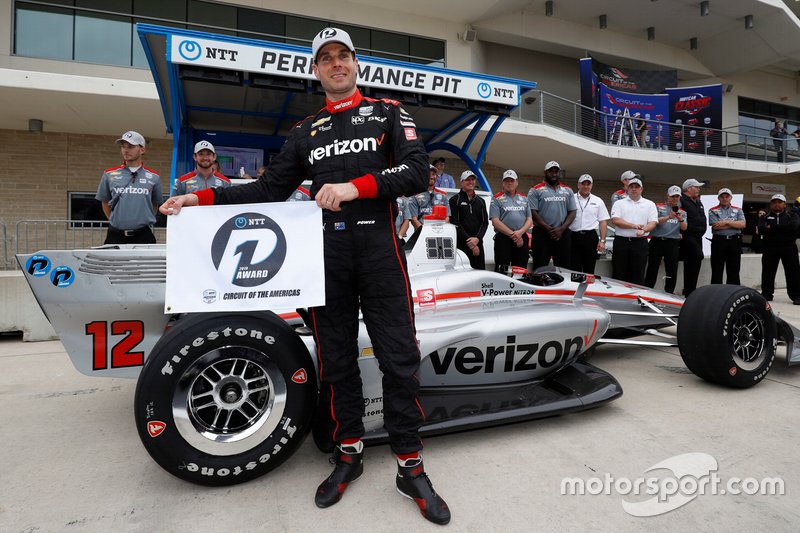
(19, 311)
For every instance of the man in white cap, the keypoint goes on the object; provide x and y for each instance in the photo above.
(130, 194)
(634, 218)
(625, 177)
(356, 174)
(468, 214)
(590, 217)
(511, 217)
(664, 239)
(727, 222)
(778, 229)
(553, 210)
(691, 244)
(203, 176)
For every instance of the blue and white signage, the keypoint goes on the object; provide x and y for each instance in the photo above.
(296, 64)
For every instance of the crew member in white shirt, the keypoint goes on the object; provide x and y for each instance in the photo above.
(590, 215)
(634, 217)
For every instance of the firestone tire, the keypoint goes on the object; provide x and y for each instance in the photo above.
(225, 398)
(727, 335)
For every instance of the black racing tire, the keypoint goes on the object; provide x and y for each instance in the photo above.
(727, 335)
(225, 398)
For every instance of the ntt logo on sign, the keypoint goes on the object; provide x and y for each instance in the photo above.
(484, 90)
(190, 50)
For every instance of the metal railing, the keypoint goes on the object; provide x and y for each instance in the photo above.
(650, 134)
(35, 235)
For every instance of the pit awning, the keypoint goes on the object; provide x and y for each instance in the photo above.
(249, 93)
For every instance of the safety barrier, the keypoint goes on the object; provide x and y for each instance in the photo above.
(624, 130)
(35, 235)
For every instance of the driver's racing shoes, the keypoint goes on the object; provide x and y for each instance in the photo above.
(349, 465)
(413, 483)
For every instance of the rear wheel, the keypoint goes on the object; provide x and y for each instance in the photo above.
(727, 335)
(225, 398)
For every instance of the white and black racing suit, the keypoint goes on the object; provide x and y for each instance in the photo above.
(374, 145)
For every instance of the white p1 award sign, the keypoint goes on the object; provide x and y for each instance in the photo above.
(247, 257)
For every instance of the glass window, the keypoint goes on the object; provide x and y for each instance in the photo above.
(303, 30)
(216, 15)
(361, 37)
(262, 22)
(161, 9)
(395, 43)
(103, 39)
(431, 50)
(31, 40)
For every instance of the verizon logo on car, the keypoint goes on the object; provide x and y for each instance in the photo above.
(347, 146)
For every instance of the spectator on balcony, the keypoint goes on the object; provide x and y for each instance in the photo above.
(779, 134)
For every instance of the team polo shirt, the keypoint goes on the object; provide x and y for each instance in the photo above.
(301, 194)
(553, 204)
(423, 203)
(512, 209)
(618, 195)
(193, 182)
(719, 213)
(403, 213)
(639, 213)
(670, 228)
(590, 212)
(131, 197)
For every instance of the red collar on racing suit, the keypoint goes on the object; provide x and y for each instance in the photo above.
(342, 105)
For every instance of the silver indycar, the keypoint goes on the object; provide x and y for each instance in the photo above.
(225, 397)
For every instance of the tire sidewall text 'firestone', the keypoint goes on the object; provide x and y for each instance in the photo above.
(707, 335)
(280, 404)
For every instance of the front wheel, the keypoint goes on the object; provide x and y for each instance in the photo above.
(225, 398)
(727, 335)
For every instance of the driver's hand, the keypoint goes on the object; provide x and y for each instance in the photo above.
(174, 204)
(331, 195)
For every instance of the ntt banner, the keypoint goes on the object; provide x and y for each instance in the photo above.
(247, 257)
(282, 62)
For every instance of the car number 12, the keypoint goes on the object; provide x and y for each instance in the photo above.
(121, 353)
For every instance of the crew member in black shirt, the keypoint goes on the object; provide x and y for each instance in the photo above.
(778, 229)
(468, 213)
(691, 246)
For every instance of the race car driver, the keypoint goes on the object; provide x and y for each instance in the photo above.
(357, 169)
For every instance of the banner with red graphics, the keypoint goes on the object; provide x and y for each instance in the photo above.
(696, 113)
